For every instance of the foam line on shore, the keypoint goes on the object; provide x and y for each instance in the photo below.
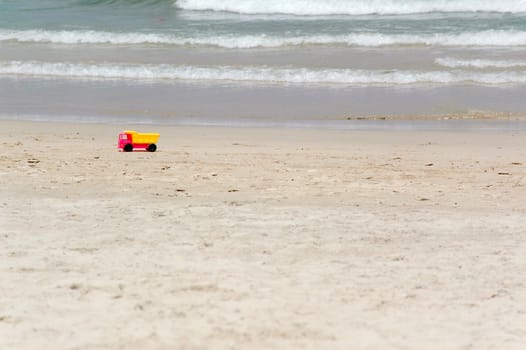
(348, 77)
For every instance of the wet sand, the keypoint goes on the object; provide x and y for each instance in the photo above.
(173, 102)
(261, 238)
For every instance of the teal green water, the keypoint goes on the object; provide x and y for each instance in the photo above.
(403, 46)
(163, 16)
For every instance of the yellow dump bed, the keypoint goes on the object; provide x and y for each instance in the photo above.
(148, 138)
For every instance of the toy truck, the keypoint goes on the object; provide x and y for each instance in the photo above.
(130, 140)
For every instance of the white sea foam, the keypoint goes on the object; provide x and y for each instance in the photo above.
(85, 37)
(266, 75)
(483, 38)
(451, 62)
(352, 7)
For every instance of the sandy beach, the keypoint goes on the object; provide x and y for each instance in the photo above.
(261, 239)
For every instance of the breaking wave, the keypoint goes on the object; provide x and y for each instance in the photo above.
(268, 75)
(479, 63)
(352, 7)
(483, 38)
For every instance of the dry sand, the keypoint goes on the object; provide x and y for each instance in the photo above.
(261, 239)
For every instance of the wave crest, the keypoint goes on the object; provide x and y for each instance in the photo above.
(351, 7)
(484, 38)
(268, 75)
(479, 63)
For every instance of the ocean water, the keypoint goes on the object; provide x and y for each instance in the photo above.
(270, 60)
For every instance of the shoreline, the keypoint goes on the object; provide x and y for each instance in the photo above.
(160, 102)
(474, 122)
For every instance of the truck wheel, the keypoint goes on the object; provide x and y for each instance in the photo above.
(128, 147)
(152, 148)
